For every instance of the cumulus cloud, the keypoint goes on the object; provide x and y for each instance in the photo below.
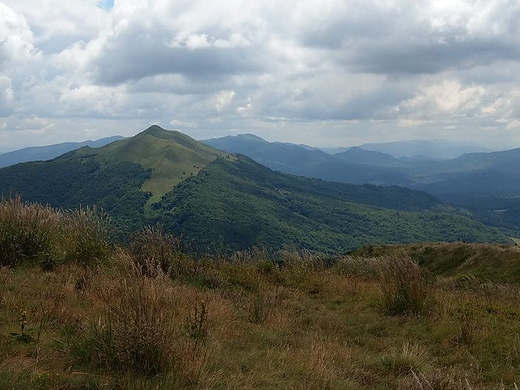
(57, 24)
(449, 98)
(16, 39)
(159, 38)
(417, 37)
(317, 71)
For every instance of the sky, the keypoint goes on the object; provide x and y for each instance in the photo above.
(320, 72)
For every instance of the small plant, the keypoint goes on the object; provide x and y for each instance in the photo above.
(411, 358)
(43, 380)
(197, 324)
(22, 322)
(257, 312)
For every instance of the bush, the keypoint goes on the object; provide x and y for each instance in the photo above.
(27, 232)
(135, 335)
(405, 286)
(87, 237)
(32, 233)
(142, 331)
(156, 252)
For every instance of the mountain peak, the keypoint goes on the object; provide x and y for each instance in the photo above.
(250, 137)
(153, 129)
(158, 131)
(170, 156)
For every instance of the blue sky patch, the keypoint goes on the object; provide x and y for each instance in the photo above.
(106, 4)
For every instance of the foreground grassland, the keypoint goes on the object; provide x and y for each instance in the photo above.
(76, 313)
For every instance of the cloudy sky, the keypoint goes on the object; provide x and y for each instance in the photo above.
(320, 72)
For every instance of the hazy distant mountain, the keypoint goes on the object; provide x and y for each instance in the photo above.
(361, 156)
(475, 174)
(431, 149)
(355, 166)
(288, 158)
(478, 173)
(335, 150)
(42, 153)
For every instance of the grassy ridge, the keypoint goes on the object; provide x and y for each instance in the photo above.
(467, 262)
(150, 317)
(171, 156)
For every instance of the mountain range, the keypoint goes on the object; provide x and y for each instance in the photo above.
(41, 153)
(219, 201)
(488, 183)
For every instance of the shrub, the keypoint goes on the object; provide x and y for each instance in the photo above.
(27, 231)
(157, 252)
(135, 334)
(30, 232)
(405, 286)
(87, 237)
(144, 331)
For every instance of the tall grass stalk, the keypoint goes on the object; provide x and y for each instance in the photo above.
(405, 286)
(86, 237)
(156, 252)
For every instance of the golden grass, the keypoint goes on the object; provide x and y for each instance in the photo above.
(154, 318)
(114, 326)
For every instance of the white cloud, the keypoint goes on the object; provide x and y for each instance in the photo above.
(316, 71)
(56, 24)
(449, 98)
(223, 100)
(16, 39)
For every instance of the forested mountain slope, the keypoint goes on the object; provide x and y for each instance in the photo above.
(219, 201)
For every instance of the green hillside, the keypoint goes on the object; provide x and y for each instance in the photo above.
(171, 156)
(240, 204)
(222, 202)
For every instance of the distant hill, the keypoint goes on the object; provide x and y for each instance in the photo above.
(170, 156)
(252, 205)
(361, 156)
(42, 153)
(218, 201)
(428, 149)
(353, 166)
(493, 174)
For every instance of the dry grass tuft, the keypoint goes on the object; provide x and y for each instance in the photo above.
(405, 286)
